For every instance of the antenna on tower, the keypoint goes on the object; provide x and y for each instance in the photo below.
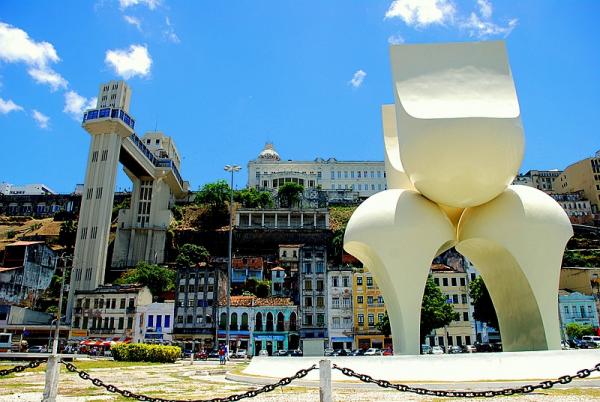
(155, 124)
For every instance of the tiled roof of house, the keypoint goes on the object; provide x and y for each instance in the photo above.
(442, 267)
(249, 301)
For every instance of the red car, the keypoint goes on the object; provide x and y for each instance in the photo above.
(388, 352)
(201, 356)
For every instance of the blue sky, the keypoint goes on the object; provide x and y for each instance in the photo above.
(222, 78)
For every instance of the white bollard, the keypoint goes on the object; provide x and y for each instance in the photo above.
(51, 385)
(325, 381)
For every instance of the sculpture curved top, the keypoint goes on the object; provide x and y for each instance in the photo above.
(460, 139)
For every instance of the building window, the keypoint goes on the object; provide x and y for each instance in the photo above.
(347, 302)
(379, 317)
(380, 299)
(320, 320)
(320, 301)
(359, 299)
(307, 284)
(332, 175)
(369, 281)
(320, 267)
(308, 301)
(334, 281)
(335, 302)
(455, 299)
(129, 322)
(319, 285)
(445, 281)
(463, 298)
(465, 316)
(361, 319)
(345, 281)
(370, 300)
(307, 268)
(453, 281)
(336, 322)
(463, 282)
(371, 318)
(308, 319)
(359, 280)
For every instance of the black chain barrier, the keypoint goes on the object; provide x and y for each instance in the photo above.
(140, 397)
(18, 369)
(525, 389)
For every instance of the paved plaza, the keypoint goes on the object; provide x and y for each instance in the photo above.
(206, 380)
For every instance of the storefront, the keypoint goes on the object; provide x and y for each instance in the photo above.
(269, 342)
(341, 342)
(237, 339)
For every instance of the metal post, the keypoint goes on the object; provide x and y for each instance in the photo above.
(325, 381)
(53, 366)
(193, 351)
(232, 169)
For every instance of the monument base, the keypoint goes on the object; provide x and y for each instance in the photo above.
(507, 366)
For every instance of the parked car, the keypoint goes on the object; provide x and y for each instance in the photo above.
(373, 352)
(497, 347)
(37, 349)
(328, 352)
(241, 353)
(437, 350)
(201, 355)
(587, 344)
(214, 354)
(469, 349)
(186, 353)
(263, 352)
(483, 347)
(454, 349)
(296, 353)
(425, 349)
(591, 338)
(388, 352)
(340, 352)
(280, 353)
(358, 352)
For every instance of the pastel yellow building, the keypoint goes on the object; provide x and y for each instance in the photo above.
(368, 309)
(582, 176)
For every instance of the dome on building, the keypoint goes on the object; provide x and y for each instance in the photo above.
(268, 153)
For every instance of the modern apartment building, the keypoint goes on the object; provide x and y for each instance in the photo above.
(313, 293)
(453, 282)
(269, 171)
(340, 321)
(369, 309)
(109, 311)
(196, 302)
(584, 176)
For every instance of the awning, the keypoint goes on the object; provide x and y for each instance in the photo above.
(104, 341)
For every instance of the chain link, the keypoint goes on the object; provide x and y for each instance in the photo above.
(18, 369)
(140, 397)
(525, 389)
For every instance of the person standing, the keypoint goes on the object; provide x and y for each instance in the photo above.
(221, 355)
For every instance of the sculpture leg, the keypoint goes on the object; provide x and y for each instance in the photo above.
(517, 242)
(396, 234)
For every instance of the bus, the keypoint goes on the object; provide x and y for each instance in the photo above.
(6, 342)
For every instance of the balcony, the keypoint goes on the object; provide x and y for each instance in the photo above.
(109, 113)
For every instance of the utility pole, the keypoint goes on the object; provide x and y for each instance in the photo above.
(232, 169)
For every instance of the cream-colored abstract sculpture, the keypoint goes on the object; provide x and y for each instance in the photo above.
(453, 144)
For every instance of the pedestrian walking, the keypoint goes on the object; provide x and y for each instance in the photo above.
(221, 355)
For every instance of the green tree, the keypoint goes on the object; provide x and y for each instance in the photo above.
(214, 194)
(191, 254)
(263, 289)
(252, 198)
(158, 279)
(482, 302)
(435, 312)
(67, 234)
(289, 194)
(575, 330)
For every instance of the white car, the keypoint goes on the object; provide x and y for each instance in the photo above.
(263, 352)
(241, 353)
(373, 352)
(437, 350)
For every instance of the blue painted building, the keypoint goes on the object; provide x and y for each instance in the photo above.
(578, 308)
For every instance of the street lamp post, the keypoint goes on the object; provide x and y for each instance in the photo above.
(52, 370)
(232, 169)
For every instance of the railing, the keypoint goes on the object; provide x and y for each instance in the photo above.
(110, 113)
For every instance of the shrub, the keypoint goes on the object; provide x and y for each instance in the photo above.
(140, 352)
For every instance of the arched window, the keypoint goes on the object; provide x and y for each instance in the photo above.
(280, 319)
(223, 321)
(269, 322)
(259, 325)
(208, 319)
(244, 326)
(233, 324)
(293, 322)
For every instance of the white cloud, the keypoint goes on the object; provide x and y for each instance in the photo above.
(7, 106)
(133, 21)
(151, 4)
(40, 118)
(421, 12)
(395, 39)
(48, 76)
(17, 47)
(76, 104)
(481, 26)
(129, 62)
(485, 8)
(169, 32)
(357, 79)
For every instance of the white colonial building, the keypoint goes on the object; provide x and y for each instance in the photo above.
(339, 307)
(154, 322)
(269, 171)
